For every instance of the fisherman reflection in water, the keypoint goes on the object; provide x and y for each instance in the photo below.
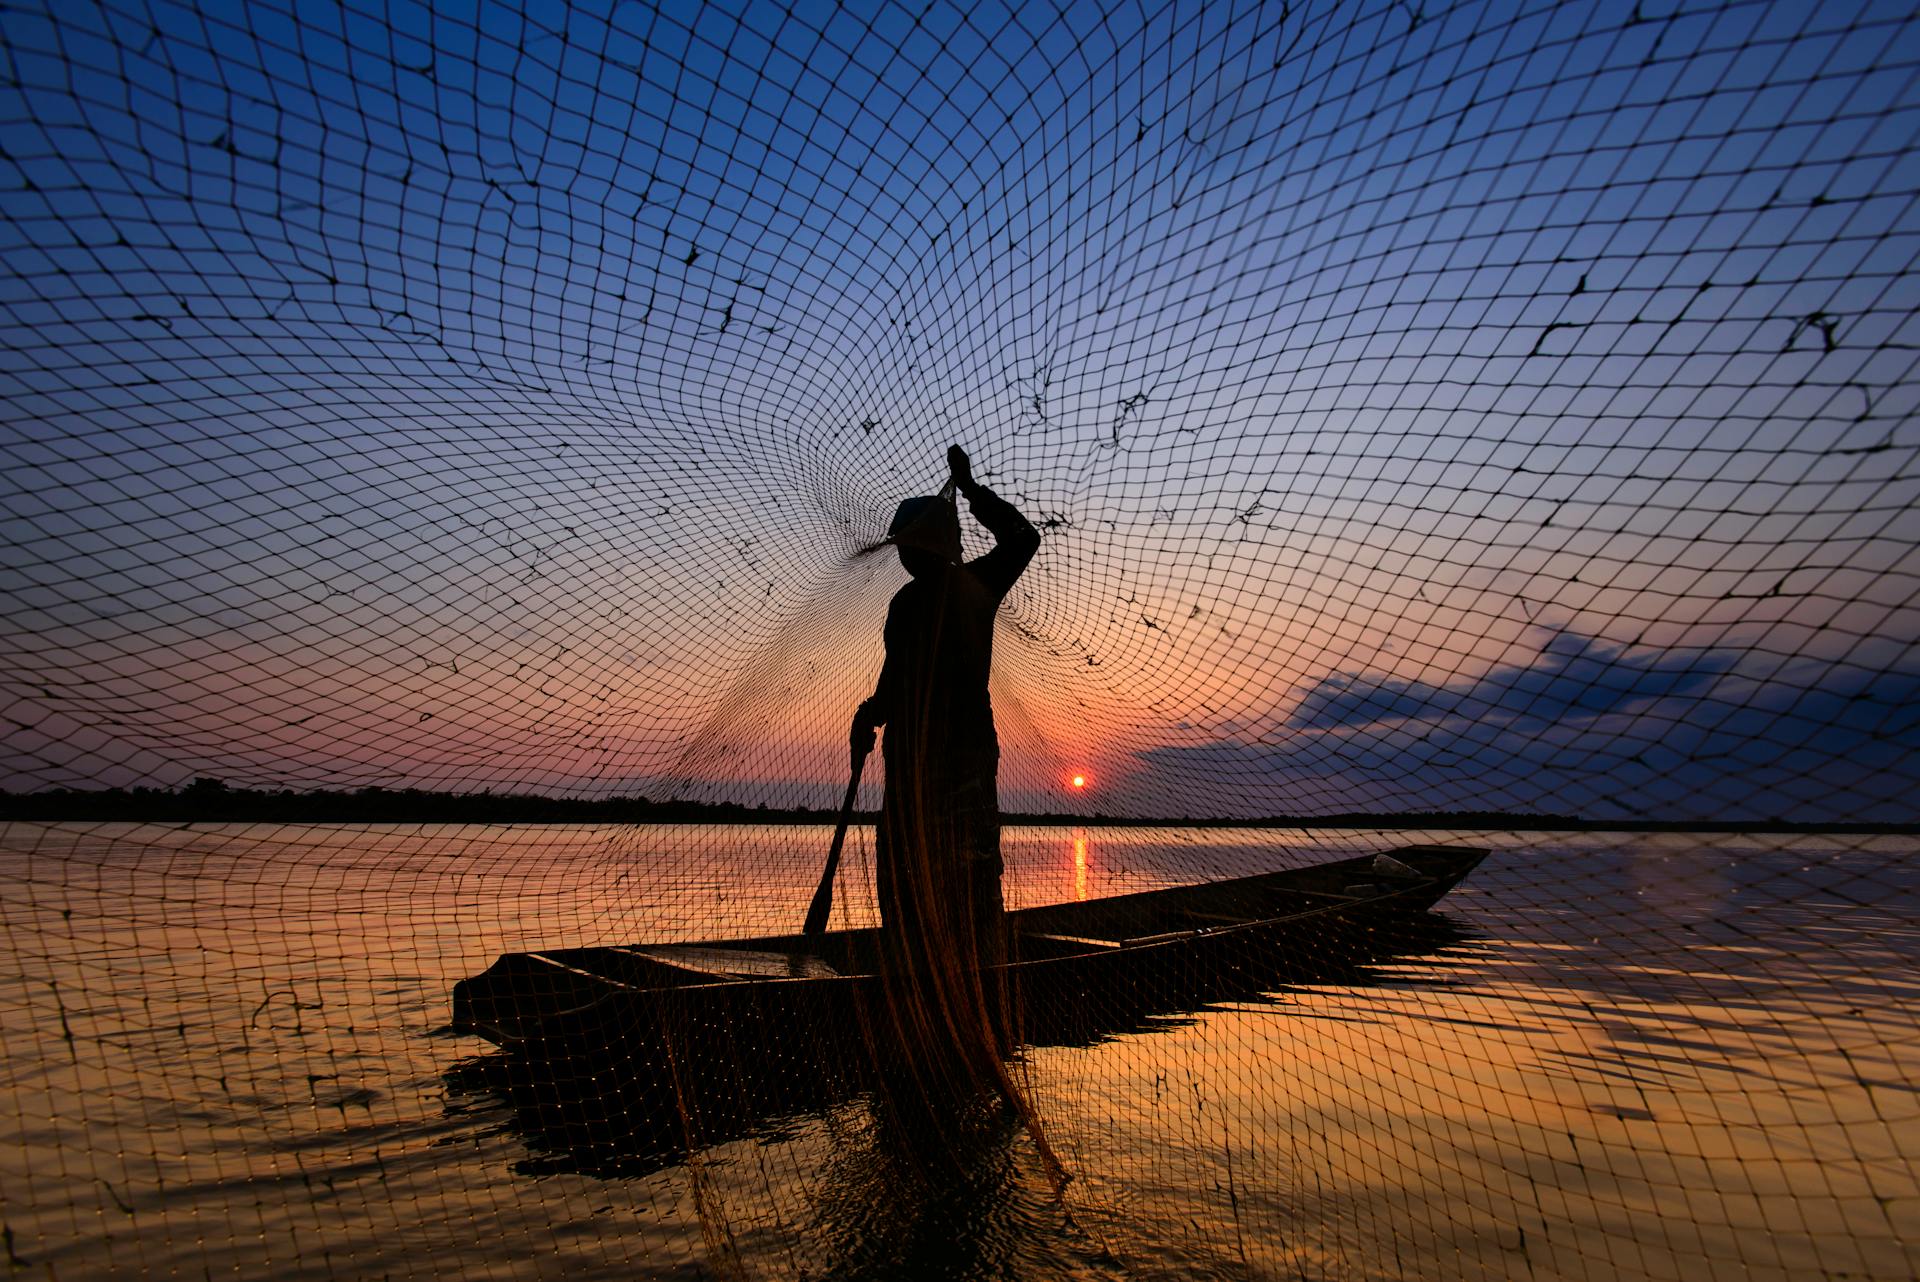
(937, 848)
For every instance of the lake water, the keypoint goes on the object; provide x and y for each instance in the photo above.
(1637, 1056)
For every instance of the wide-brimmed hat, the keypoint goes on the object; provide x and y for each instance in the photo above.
(927, 521)
(909, 511)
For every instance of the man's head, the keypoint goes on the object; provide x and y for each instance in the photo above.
(926, 530)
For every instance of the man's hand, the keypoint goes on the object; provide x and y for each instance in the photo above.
(962, 467)
(860, 737)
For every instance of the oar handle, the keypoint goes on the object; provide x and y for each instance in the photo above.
(822, 905)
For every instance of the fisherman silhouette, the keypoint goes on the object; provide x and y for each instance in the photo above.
(937, 846)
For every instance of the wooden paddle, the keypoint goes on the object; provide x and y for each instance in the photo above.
(823, 896)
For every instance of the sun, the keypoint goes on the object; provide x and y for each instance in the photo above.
(1079, 781)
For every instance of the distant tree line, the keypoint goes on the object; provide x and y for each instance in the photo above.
(213, 801)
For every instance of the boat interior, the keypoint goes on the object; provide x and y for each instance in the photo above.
(1040, 934)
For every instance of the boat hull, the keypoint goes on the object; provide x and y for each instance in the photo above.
(618, 1061)
(761, 994)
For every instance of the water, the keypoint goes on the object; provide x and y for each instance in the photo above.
(1642, 1056)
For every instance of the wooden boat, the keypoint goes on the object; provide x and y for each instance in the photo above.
(617, 1061)
(760, 989)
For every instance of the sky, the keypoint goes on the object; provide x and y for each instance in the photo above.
(1504, 406)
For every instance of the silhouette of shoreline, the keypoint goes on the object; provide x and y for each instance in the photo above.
(210, 801)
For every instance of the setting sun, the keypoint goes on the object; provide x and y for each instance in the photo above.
(1079, 781)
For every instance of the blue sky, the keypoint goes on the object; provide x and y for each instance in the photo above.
(470, 396)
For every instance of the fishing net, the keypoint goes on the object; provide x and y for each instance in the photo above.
(445, 449)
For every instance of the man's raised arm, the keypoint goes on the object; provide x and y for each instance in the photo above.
(1015, 539)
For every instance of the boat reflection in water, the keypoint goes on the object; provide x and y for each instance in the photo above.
(619, 1062)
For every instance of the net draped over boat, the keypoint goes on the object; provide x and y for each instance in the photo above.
(444, 450)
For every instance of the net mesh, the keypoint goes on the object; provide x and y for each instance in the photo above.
(444, 450)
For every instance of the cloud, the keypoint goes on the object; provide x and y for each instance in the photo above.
(1586, 729)
(1575, 678)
